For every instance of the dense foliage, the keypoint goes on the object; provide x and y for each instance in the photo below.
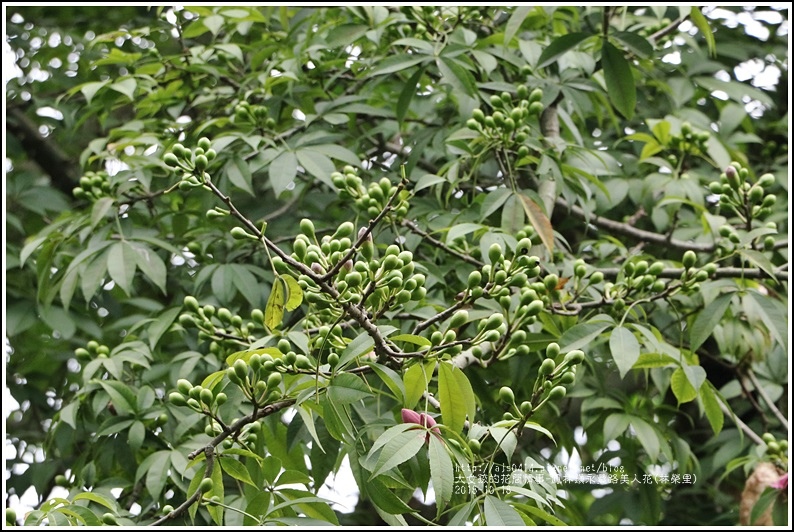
(506, 265)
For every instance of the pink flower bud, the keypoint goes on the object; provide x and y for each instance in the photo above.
(781, 483)
(409, 416)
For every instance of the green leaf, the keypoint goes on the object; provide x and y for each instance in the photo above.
(97, 498)
(214, 23)
(383, 498)
(100, 209)
(505, 438)
(274, 310)
(538, 512)
(361, 344)
(495, 199)
(236, 470)
(415, 339)
(441, 471)
(621, 87)
(121, 395)
(345, 34)
(455, 396)
(317, 164)
(625, 349)
(136, 435)
(539, 221)
(460, 230)
(512, 214)
(760, 260)
(391, 379)
(90, 89)
(711, 406)
(126, 87)
(346, 388)
(559, 46)
(615, 425)
(407, 94)
(581, 335)
(397, 63)
(515, 21)
(767, 498)
(399, 449)
(708, 318)
(151, 265)
(282, 172)
(703, 25)
(295, 297)
(682, 389)
(417, 378)
(161, 324)
(216, 511)
(239, 173)
(647, 436)
(157, 473)
(654, 360)
(499, 514)
(122, 259)
(635, 42)
(457, 76)
(774, 314)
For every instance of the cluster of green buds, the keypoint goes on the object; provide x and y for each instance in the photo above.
(776, 450)
(93, 185)
(743, 198)
(638, 279)
(373, 198)
(197, 397)
(508, 122)
(192, 163)
(92, 350)
(255, 115)
(217, 324)
(652, 27)
(687, 142)
(554, 374)
(259, 376)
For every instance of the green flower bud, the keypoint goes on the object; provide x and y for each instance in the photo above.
(184, 386)
(458, 319)
(547, 367)
(177, 399)
(506, 395)
(552, 350)
(535, 307)
(307, 228)
(240, 369)
(573, 357)
(557, 393)
(206, 485)
(689, 259)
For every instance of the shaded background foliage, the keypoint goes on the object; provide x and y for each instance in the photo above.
(98, 100)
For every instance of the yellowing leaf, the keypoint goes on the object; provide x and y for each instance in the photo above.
(294, 291)
(274, 311)
(539, 221)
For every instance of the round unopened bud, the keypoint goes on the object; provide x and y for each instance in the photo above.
(458, 319)
(547, 367)
(177, 399)
(506, 395)
(574, 357)
(495, 253)
(689, 259)
(552, 350)
(557, 393)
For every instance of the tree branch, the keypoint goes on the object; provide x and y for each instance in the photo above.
(633, 232)
(771, 404)
(64, 174)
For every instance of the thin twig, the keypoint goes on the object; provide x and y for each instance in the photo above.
(760, 389)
